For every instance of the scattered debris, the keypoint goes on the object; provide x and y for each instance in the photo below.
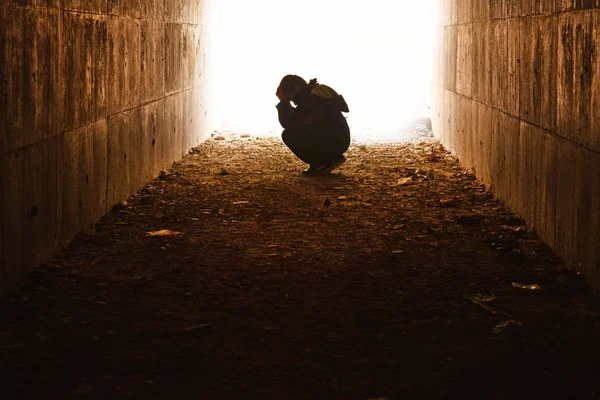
(449, 202)
(222, 172)
(164, 232)
(526, 287)
(491, 238)
(394, 227)
(219, 137)
(505, 325)
(200, 328)
(432, 157)
(120, 206)
(518, 229)
(400, 267)
(270, 328)
(405, 181)
(482, 299)
(163, 175)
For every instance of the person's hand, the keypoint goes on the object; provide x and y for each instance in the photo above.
(280, 94)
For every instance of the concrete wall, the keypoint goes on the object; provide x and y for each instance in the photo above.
(96, 97)
(518, 100)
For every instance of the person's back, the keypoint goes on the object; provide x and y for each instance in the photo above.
(315, 129)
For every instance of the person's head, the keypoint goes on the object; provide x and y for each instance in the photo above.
(291, 85)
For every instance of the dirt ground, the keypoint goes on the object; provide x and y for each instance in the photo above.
(234, 277)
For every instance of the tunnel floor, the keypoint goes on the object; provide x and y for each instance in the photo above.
(232, 276)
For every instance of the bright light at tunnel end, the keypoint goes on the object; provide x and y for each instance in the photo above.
(379, 57)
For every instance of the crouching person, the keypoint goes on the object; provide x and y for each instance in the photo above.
(315, 129)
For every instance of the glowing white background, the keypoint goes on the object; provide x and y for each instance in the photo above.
(376, 53)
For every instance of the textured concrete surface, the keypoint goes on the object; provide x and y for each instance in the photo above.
(30, 76)
(96, 97)
(528, 74)
(152, 59)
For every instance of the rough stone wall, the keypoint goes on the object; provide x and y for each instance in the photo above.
(518, 101)
(96, 97)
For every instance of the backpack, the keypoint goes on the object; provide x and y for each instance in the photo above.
(336, 99)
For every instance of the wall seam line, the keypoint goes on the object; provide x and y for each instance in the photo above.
(530, 123)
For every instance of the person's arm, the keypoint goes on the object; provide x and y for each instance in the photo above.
(290, 117)
(286, 113)
(309, 112)
(305, 115)
(308, 115)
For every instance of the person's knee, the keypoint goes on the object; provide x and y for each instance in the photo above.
(290, 136)
(285, 136)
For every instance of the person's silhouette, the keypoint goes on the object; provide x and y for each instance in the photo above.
(315, 129)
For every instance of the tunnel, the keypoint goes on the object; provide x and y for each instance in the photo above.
(119, 119)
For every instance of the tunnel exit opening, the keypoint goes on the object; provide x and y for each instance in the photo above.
(378, 55)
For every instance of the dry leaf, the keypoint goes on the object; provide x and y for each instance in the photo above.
(164, 232)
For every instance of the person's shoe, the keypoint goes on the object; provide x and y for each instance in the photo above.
(318, 169)
(338, 162)
(323, 169)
